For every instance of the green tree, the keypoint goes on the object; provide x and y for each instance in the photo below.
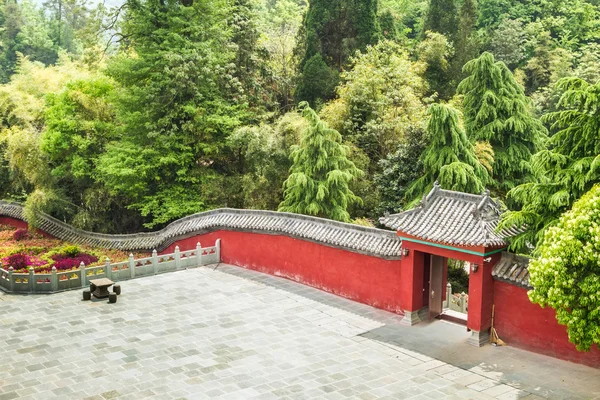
(563, 172)
(436, 52)
(566, 275)
(508, 42)
(497, 111)
(442, 17)
(398, 171)
(449, 158)
(177, 101)
(80, 122)
(317, 81)
(381, 99)
(466, 43)
(281, 26)
(334, 30)
(320, 174)
(11, 23)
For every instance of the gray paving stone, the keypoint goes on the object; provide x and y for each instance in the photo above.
(241, 335)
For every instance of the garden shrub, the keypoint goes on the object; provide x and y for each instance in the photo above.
(21, 234)
(63, 263)
(22, 261)
(70, 251)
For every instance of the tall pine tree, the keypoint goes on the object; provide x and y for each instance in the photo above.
(449, 158)
(321, 172)
(334, 29)
(441, 17)
(566, 170)
(497, 111)
(466, 46)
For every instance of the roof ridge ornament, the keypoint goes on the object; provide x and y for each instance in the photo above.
(436, 188)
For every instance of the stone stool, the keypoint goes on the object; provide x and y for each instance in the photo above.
(117, 289)
(112, 297)
(92, 287)
(87, 294)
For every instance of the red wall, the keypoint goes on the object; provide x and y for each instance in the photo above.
(13, 222)
(378, 282)
(523, 324)
(365, 279)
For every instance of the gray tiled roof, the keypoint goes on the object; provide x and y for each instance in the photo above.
(512, 269)
(359, 239)
(450, 217)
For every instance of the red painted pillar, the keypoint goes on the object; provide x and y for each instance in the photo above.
(481, 299)
(411, 284)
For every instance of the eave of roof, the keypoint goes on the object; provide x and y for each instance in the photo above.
(453, 218)
(370, 241)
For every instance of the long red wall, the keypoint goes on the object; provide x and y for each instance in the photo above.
(523, 324)
(378, 282)
(13, 222)
(362, 278)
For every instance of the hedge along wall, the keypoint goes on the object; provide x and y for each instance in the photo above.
(523, 324)
(364, 278)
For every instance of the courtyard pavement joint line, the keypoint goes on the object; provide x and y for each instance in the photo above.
(237, 334)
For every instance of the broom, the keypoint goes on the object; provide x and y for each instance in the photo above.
(494, 339)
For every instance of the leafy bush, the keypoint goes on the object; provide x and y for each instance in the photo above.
(566, 275)
(458, 277)
(21, 261)
(70, 251)
(20, 234)
(62, 262)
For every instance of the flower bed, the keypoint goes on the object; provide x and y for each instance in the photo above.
(23, 249)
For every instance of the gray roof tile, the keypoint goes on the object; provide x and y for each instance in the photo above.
(450, 217)
(356, 238)
(512, 269)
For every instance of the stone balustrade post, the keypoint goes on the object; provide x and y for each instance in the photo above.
(218, 250)
(83, 274)
(155, 261)
(177, 257)
(108, 268)
(198, 254)
(448, 295)
(11, 279)
(31, 279)
(54, 280)
(131, 266)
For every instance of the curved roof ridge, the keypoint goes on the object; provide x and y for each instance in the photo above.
(365, 240)
(452, 217)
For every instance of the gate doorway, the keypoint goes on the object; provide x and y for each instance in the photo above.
(436, 286)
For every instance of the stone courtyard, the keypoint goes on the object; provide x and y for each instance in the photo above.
(225, 332)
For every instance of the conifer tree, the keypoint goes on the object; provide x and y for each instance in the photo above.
(497, 111)
(320, 174)
(442, 18)
(450, 158)
(335, 29)
(563, 172)
(465, 46)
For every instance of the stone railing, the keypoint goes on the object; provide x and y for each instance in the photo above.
(55, 281)
(359, 239)
(458, 302)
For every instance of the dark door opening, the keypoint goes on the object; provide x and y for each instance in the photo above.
(436, 286)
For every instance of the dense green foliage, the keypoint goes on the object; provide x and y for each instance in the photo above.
(124, 118)
(497, 111)
(334, 30)
(449, 159)
(320, 173)
(567, 169)
(566, 276)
